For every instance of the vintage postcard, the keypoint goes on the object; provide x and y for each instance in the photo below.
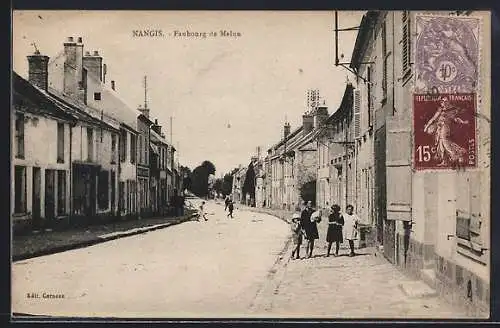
(260, 164)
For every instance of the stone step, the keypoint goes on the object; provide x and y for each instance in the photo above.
(429, 277)
(417, 289)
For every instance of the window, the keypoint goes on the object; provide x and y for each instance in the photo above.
(146, 150)
(469, 222)
(370, 94)
(97, 96)
(113, 148)
(133, 148)
(123, 196)
(83, 85)
(20, 135)
(140, 149)
(90, 144)
(384, 58)
(61, 192)
(103, 190)
(406, 43)
(123, 146)
(60, 142)
(20, 189)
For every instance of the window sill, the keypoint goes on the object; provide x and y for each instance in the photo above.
(471, 250)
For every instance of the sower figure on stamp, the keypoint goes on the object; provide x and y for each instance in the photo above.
(441, 126)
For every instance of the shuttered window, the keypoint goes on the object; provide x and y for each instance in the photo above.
(370, 94)
(357, 114)
(20, 135)
(384, 58)
(406, 44)
(60, 142)
(468, 215)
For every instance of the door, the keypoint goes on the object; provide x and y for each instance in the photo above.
(380, 184)
(37, 185)
(399, 179)
(50, 194)
(113, 191)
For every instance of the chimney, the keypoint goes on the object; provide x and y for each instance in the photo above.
(320, 116)
(38, 70)
(144, 111)
(307, 123)
(286, 130)
(104, 72)
(73, 66)
(93, 64)
(113, 85)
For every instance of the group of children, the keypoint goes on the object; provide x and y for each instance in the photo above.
(340, 226)
(202, 215)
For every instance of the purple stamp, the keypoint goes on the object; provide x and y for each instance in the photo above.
(447, 54)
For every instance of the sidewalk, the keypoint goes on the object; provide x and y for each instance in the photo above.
(50, 242)
(365, 286)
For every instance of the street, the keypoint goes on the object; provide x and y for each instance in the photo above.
(195, 269)
(219, 268)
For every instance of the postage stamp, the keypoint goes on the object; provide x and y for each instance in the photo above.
(447, 54)
(444, 131)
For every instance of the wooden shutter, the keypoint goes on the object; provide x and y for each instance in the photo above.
(398, 168)
(405, 56)
(468, 211)
(357, 113)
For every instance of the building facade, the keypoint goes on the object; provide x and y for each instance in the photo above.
(433, 221)
(336, 156)
(293, 163)
(41, 163)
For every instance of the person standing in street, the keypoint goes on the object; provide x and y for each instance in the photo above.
(334, 234)
(230, 206)
(296, 234)
(351, 221)
(226, 202)
(310, 227)
(202, 211)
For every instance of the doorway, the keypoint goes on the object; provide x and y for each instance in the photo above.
(36, 190)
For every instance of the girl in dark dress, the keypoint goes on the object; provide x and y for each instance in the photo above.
(334, 234)
(310, 227)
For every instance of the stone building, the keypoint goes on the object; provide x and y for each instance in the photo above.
(292, 162)
(433, 222)
(336, 156)
(238, 182)
(41, 161)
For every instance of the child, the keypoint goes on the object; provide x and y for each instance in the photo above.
(202, 211)
(296, 235)
(231, 208)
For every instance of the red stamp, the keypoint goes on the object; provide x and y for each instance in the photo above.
(444, 131)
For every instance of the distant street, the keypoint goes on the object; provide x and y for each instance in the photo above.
(195, 269)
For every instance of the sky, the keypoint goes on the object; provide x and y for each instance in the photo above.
(226, 95)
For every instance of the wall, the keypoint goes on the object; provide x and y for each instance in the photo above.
(433, 251)
(40, 150)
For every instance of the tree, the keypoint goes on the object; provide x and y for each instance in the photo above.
(199, 178)
(308, 191)
(227, 184)
(218, 186)
(209, 166)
